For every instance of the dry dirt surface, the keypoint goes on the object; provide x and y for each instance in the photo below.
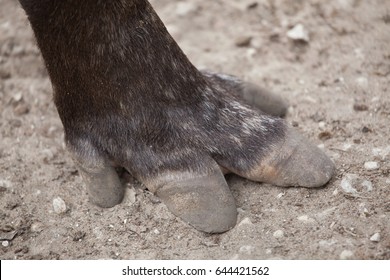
(334, 70)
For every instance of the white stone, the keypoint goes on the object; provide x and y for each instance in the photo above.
(37, 227)
(346, 147)
(247, 249)
(346, 255)
(156, 232)
(322, 125)
(362, 82)
(59, 205)
(5, 184)
(368, 185)
(376, 151)
(298, 33)
(251, 52)
(5, 243)
(245, 222)
(376, 237)
(346, 183)
(131, 195)
(280, 195)
(371, 165)
(381, 152)
(278, 234)
(327, 243)
(321, 146)
(306, 219)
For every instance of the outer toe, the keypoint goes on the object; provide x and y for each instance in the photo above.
(296, 162)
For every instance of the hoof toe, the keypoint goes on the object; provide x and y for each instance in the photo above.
(203, 202)
(264, 100)
(296, 162)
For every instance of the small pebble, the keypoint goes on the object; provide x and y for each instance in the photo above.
(376, 237)
(17, 97)
(21, 109)
(280, 195)
(156, 232)
(360, 107)
(298, 33)
(327, 243)
(59, 205)
(322, 125)
(346, 255)
(131, 195)
(245, 222)
(346, 183)
(36, 227)
(243, 41)
(247, 249)
(306, 219)
(362, 82)
(371, 165)
(5, 243)
(278, 234)
(325, 135)
(368, 185)
(5, 184)
(346, 147)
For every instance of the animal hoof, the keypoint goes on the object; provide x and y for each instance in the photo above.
(264, 100)
(294, 162)
(203, 202)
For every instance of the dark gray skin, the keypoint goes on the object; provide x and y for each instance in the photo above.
(128, 96)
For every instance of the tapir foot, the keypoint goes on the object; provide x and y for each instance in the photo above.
(128, 96)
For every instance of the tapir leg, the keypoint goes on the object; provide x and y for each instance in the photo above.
(127, 95)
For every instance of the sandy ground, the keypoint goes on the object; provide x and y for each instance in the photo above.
(337, 85)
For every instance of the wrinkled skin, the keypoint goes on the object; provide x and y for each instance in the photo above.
(128, 96)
